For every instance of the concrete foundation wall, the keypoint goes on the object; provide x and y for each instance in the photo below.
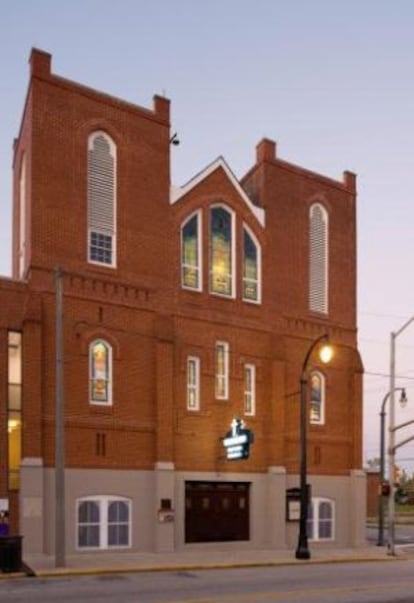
(269, 527)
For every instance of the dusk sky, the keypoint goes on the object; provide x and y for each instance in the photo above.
(332, 82)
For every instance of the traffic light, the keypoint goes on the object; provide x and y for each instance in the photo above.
(385, 489)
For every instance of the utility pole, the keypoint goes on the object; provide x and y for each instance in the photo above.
(392, 447)
(60, 544)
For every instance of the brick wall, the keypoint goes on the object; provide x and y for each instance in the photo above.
(153, 324)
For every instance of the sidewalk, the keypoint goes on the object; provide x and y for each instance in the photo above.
(122, 562)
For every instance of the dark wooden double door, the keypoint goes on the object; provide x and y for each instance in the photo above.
(216, 511)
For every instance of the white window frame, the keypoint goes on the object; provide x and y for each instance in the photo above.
(321, 420)
(101, 231)
(259, 267)
(110, 372)
(232, 294)
(193, 388)
(104, 501)
(318, 279)
(314, 532)
(199, 266)
(250, 394)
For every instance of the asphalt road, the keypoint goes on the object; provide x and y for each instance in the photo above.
(404, 534)
(375, 582)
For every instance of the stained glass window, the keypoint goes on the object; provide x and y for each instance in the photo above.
(222, 370)
(249, 389)
(317, 398)
(251, 266)
(193, 383)
(190, 250)
(221, 260)
(100, 372)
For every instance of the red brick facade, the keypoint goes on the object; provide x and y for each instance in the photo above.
(151, 322)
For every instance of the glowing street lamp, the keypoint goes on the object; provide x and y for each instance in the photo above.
(325, 356)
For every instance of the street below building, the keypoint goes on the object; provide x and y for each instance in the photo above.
(374, 582)
(404, 534)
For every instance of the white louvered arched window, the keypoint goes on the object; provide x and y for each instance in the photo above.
(318, 259)
(22, 223)
(101, 199)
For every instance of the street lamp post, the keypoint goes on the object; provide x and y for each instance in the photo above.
(391, 448)
(302, 551)
(403, 402)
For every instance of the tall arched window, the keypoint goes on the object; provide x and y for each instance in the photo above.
(22, 221)
(222, 251)
(318, 259)
(100, 372)
(101, 199)
(191, 253)
(251, 267)
(317, 405)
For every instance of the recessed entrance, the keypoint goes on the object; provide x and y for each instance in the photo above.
(216, 511)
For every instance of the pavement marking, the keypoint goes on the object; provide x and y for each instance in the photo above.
(302, 593)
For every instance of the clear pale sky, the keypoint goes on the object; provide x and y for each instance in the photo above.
(331, 81)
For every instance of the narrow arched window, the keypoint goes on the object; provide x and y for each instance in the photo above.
(22, 220)
(191, 253)
(321, 519)
(222, 353)
(222, 251)
(193, 383)
(317, 405)
(249, 389)
(251, 267)
(101, 199)
(318, 259)
(100, 372)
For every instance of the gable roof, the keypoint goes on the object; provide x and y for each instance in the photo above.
(177, 193)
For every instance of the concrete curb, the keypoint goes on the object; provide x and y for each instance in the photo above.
(82, 571)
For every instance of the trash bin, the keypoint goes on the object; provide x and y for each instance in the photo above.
(10, 553)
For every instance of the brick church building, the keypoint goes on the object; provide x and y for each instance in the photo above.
(146, 323)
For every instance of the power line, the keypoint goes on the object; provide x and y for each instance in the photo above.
(378, 315)
(387, 375)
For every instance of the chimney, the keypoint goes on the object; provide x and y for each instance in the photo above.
(265, 150)
(349, 179)
(162, 107)
(40, 62)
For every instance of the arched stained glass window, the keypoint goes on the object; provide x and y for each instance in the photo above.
(221, 251)
(193, 383)
(251, 267)
(191, 253)
(100, 377)
(317, 405)
(318, 259)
